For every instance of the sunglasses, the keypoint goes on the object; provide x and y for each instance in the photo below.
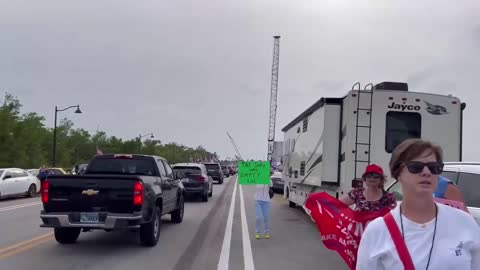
(373, 175)
(417, 167)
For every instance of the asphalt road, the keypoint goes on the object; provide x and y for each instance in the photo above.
(218, 234)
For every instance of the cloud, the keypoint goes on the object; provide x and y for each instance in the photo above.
(189, 70)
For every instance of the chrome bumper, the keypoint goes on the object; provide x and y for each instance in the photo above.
(112, 221)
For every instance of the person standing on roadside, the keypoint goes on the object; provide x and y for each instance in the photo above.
(447, 190)
(371, 197)
(420, 233)
(262, 209)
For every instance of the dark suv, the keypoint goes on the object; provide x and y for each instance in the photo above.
(215, 171)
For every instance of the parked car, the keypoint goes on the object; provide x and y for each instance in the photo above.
(56, 171)
(33, 172)
(18, 182)
(116, 192)
(215, 171)
(232, 170)
(226, 170)
(195, 179)
(79, 168)
(466, 175)
(277, 182)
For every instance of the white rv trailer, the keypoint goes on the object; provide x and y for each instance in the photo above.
(328, 146)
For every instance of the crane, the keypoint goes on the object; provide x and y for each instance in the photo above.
(273, 97)
(238, 155)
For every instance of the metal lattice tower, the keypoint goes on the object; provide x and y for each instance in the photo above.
(273, 96)
(238, 156)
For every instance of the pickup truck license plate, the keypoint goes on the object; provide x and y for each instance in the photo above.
(89, 217)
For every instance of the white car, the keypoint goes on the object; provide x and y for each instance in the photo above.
(14, 182)
(466, 175)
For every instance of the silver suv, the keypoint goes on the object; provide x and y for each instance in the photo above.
(466, 175)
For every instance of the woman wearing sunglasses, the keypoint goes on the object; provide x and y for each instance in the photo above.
(371, 197)
(419, 233)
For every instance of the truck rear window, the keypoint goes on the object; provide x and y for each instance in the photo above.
(122, 166)
(212, 167)
(185, 169)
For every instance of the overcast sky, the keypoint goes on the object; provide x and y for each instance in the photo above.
(189, 70)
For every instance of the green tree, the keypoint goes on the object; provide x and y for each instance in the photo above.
(25, 142)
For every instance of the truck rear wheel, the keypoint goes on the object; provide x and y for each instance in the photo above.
(205, 196)
(66, 235)
(177, 215)
(292, 204)
(150, 232)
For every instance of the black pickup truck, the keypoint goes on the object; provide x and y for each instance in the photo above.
(115, 192)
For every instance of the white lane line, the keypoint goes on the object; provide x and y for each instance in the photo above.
(225, 253)
(13, 207)
(247, 245)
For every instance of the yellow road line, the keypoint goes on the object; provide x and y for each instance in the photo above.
(25, 245)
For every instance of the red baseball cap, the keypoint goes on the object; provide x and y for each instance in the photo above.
(373, 168)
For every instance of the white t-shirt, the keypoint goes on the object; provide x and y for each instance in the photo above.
(457, 243)
(261, 192)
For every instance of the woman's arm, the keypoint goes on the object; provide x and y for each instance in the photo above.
(454, 194)
(346, 200)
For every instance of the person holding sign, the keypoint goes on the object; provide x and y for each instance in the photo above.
(371, 197)
(420, 233)
(258, 173)
(262, 209)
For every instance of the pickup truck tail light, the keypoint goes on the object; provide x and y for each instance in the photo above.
(138, 191)
(200, 178)
(45, 187)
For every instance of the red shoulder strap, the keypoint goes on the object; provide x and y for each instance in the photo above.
(398, 241)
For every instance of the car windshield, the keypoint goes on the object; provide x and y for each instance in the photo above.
(122, 166)
(186, 169)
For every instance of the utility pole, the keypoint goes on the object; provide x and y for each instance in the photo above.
(238, 156)
(273, 97)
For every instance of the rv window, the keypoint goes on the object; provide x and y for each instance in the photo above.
(302, 168)
(401, 126)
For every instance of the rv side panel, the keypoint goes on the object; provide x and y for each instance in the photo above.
(330, 146)
(311, 146)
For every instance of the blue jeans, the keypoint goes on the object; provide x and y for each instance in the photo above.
(263, 212)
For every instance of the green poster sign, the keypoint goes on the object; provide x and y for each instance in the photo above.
(254, 172)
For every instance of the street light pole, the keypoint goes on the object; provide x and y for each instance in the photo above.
(54, 139)
(140, 140)
(55, 131)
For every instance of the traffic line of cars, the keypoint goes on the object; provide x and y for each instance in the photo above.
(123, 192)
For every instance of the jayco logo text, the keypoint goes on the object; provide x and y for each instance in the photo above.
(403, 107)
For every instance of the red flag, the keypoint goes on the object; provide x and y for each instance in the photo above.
(340, 227)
